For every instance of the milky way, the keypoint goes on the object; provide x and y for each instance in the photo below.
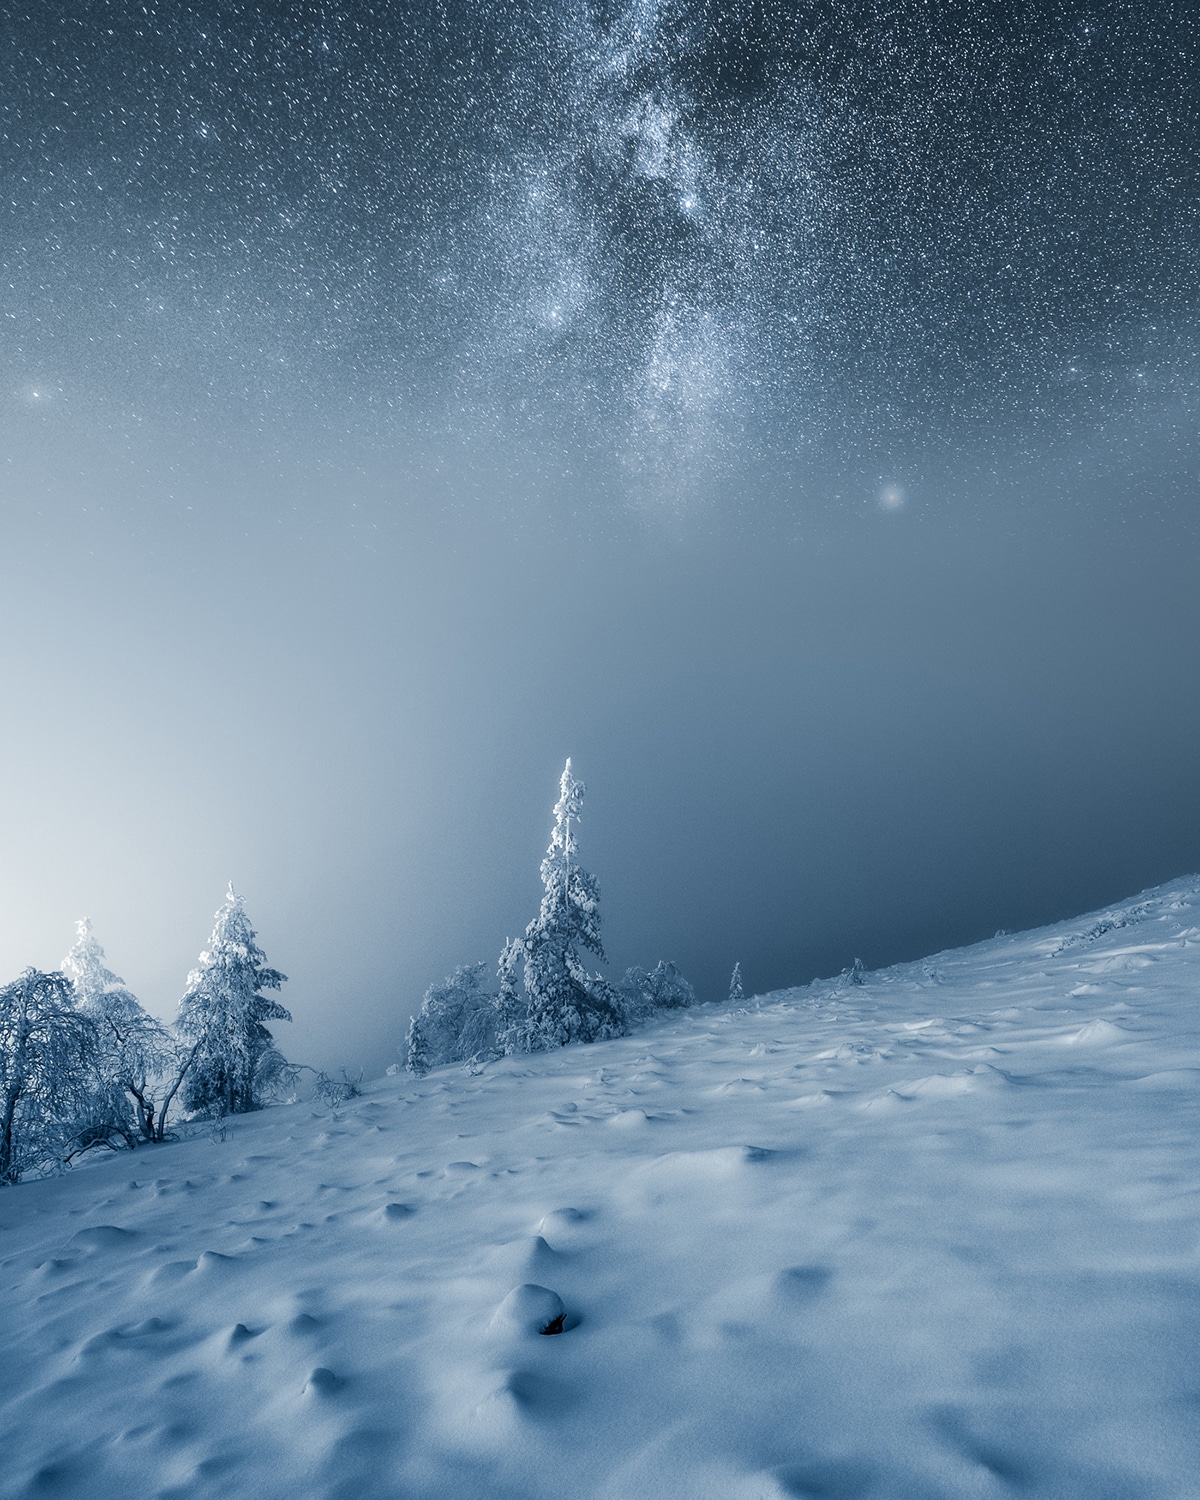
(648, 227)
(788, 410)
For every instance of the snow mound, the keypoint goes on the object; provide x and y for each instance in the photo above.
(395, 1213)
(101, 1238)
(562, 1225)
(530, 1309)
(951, 1085)
(1098, 1033)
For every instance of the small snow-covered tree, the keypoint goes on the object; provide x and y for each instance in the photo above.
(633, 997)
(47, 1053)
(456, 1022)
(510, 1005)
(223, 1014)
(736, 993)
(669, 990)
(334, 1091)
(418, 1056)
(136, 1059)
(91, 979)
(564, 1003)
(642, 996)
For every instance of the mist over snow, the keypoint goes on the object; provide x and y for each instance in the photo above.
(928, 1231)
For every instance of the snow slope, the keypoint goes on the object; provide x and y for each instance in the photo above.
(934, 1236)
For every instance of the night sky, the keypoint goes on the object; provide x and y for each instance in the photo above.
(788, 411)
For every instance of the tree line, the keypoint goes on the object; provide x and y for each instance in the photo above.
(83, 1065)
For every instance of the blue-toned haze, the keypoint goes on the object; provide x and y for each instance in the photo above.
(787, 411)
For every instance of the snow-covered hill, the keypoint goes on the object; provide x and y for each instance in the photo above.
(937, 1235)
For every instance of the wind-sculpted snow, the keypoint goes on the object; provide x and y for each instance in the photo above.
(932, 1236)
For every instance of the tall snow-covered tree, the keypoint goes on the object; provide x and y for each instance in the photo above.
(564, 1003)
(223, 1014)
(736, 993)
(136, 1059)
(47, 1052)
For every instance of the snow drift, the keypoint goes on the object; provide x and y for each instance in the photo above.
(932, 1235)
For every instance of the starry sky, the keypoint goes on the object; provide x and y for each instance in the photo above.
(787, 410)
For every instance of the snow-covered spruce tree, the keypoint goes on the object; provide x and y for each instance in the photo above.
(510, 1004)
(223, 1015)
(418, 1057)
(563, 1002)
(736, 993)
(91, 979)
(456, 1022)
(46, 1068)
(136, 1059)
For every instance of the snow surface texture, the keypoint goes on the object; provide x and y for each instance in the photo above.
(935, 1235)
